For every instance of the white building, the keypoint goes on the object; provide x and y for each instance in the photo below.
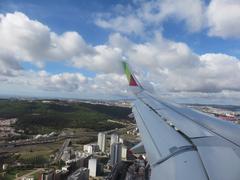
(114, 139)
(27, 178)
(4, 167)
(91, 148)
(66, 155)
(80, 154)
(92, 166)
(8, 122)
(121, 140)
(38, 136)
(65, 168)
(102, 141)
(124, 152)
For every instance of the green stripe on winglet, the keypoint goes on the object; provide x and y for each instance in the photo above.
(127, 71)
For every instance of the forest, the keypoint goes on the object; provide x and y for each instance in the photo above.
(40, 117)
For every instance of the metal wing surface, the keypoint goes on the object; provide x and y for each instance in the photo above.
(184, 144)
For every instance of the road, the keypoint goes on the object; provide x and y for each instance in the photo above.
(61, 150)
(29, 174)
(43, 140)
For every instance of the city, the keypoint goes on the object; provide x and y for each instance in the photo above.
(119, 90)
(107, 155)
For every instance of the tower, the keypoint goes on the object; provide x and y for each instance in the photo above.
(102, 141)
(116, 153)
(92, 166)
(114, 139)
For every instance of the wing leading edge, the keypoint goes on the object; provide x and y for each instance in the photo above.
(181, 143)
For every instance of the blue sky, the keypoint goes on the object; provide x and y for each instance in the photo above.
(74, 47)
(65, 15)
(79, 16)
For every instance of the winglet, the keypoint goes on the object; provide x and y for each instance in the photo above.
(131, 78)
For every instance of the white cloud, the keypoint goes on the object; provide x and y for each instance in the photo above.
(220, 17)
(28, 40)
(67, 45)
(189, 11)
(42, 80)
(174, 67)
(61, 82)
(104, 59)
(220, 70)
(24, 39)
(154, 13)
(223, 18)
(166, 64)
(71, 84)
(8, 65)
(105, 84)
(125, 24)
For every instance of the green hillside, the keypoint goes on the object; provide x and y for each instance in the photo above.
(38, 117)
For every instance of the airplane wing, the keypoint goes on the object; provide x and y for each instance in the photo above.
(181, 143)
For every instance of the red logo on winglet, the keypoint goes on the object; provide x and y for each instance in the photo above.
(132, 82)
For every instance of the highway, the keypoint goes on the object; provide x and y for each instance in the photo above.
(61, 150)
(29, 174)
(44, 140)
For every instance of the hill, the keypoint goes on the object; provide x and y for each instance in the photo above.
(41, 117)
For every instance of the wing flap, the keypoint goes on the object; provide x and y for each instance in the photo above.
(186, 166)
(169, 153)
(160, 137)
(188, 127)
(221, 158)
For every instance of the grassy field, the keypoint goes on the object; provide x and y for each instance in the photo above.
(44, 150)
(34, 154)
(16, 173)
